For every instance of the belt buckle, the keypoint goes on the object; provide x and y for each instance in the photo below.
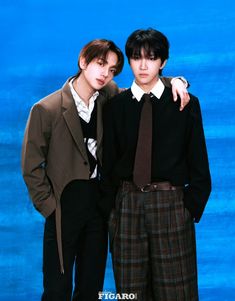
(145, 188)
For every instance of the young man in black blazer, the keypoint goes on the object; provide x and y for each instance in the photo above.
(152, 224)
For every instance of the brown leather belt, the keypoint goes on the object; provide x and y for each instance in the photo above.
(156, 186)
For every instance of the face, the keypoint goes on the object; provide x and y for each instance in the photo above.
(99, 72)
(146, 70)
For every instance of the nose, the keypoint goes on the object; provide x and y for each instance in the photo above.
(143, 64)
(105, 72)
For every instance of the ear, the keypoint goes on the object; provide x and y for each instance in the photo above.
(82, 63)
(163, 64)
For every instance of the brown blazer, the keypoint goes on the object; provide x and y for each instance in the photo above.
(54, 153)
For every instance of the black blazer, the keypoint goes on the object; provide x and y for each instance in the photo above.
(179, 153)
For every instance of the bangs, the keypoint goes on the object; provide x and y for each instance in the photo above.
(98, 49)
(148, 50)
(148, 43)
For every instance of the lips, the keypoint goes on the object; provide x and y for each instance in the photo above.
(100, 81)
(143, 75)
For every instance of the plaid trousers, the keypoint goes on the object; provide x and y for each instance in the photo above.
(153, 245)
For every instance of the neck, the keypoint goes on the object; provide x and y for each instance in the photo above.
(83, 89)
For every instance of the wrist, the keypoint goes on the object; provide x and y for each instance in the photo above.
(185, 82)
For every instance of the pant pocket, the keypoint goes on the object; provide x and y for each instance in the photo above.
(187, 215)
(113, 227)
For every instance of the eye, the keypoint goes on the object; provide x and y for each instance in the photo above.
(136, 57)
(113, 71)
(100, 62)
(152, 58)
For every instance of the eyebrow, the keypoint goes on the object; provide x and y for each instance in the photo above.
(147, 56)
(106, 62)
(102, 59)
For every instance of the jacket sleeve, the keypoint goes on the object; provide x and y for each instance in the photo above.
(34, 160)
(111, 89)
(166, 81)
(199, 188)
(108, 184)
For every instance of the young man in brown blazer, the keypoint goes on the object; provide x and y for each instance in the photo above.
(61, 161)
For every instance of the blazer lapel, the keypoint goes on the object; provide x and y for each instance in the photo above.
(72, 119)
(99, 122)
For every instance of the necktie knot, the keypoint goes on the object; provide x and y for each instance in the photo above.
(147, 97)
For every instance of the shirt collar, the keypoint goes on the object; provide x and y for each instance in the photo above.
(157, 90)
(77, 98)
(83, 111)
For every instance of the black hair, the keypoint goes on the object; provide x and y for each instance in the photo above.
(153, 42)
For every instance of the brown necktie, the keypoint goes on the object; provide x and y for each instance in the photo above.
(142, 165)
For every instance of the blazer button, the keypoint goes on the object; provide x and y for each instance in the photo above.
(85, 163)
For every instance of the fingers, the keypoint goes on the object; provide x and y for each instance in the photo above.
(174, 93)
(179, 90)
(184, 99)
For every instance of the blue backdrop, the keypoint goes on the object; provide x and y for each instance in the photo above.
(40, 42)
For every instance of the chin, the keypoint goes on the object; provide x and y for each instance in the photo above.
(97, 87)
(143, 82)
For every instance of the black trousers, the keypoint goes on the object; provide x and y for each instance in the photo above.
(84, 241)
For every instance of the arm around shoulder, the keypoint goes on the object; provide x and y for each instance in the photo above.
(111, 89)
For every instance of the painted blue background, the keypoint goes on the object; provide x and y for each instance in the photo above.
(40, 42)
